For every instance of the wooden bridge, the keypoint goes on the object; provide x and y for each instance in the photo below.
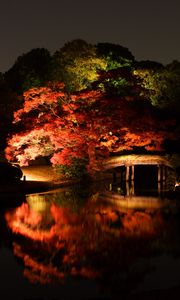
(159, 163)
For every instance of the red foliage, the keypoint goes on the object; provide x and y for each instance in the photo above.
(98, 235)
(87, 125)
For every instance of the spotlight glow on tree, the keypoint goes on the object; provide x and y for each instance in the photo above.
(84, 128)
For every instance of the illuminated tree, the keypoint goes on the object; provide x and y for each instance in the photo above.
(161, 85)
(48, 129)
(83, 128)
(76, 64)
(119, 82)
(116, 56)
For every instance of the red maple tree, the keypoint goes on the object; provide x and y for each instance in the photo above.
(89, 125)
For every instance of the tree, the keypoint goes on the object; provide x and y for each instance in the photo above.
(162, 85)
(77, 64)
(52, 131)
(9, 102)
(85, 127)
(118, 82)
(32, 69)
(116, 56)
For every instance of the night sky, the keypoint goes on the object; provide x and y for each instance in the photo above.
(150, 29)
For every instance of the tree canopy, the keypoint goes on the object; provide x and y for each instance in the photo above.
(87, 102)
(32, 69)
(87, 126)
(77, 64)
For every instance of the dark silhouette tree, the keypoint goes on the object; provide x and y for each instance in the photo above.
(32, 69)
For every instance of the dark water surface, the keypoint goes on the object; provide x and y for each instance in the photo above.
(90, 243)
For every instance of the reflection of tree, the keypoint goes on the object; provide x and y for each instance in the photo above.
(100, 241)
(74, 197)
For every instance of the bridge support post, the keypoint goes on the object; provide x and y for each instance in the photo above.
(127, 173)
(159, 173)
(132, 173)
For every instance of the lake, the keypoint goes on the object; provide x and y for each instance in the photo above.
(90, 242)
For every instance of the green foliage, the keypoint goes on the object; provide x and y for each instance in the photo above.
(115, 56)
(76, 170)
(162, 86)
(87, 115)
(116, 87)
(119, 82)
(84, 71)
(76, 64)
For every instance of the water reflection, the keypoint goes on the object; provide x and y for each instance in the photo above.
(98, 234)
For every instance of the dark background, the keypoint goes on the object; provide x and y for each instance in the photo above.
(150, 29)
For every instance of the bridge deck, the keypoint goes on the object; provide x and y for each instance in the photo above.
(133, 159)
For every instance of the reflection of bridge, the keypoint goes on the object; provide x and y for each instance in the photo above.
(160, 167)
(134, 202)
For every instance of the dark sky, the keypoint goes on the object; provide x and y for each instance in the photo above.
(149, 28)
